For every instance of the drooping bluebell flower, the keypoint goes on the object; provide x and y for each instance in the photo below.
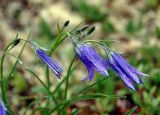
(54, 66)
(3, 110)
(124, 70)
(91, 59)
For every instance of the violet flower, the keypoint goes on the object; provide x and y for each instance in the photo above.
(54, 66)
(91, 59)
(124, 70)
(3, 110)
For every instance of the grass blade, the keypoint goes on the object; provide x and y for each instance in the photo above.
(82, 98)
(86, 88)
(131, 111)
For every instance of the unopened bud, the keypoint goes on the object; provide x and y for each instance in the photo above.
(91, 30)
(83, 29)
(66, 23)
(17, 41)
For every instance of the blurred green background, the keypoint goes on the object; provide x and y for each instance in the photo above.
(130, 26)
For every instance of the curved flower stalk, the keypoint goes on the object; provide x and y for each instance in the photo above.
(54, 66)
(124, 70)
(91, 59)
(3, 110)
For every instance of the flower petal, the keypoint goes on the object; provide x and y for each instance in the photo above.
(3, 110)
(87, 54)
(124, 67)
(55, 67)
(127, 80)
(130, 67)
(90, 75)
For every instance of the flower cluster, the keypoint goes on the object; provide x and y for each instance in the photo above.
(92, 60)
(89, 57)
(114, 61)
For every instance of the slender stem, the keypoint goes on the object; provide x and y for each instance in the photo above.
(2, 77)
(13, 68)
(59, 40)
(86, 88)
(104, 46)
(80, 98)
(94, 41)
(59, 85)
(4, 95)
(27, 108)
(2, 83)
(47, 77)
(50, 93)
(67, 80)
(67, 77)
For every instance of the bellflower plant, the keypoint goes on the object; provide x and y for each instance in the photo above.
(54, 66)
(124, 70)
(3, 110)
(91, 59)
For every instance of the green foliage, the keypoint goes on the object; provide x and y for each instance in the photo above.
(131, 111)
(19, 83)
(46, 29)
(152, 3)
(108, 27)
(105, 86)
(60, 106)
(39, 90)
(133, 27)
(61, 97)
(153, 58)
(91, 13)
(158, 32)
(5, 83)
(75, 112)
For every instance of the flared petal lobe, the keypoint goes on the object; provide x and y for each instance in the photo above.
(125, 67)
(3, 110)
(91, 59)
(90, 75)
(54, 66)
(122, 60)
(124, 70)
(121, 74)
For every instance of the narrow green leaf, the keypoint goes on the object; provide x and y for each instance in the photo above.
(46, 29)
(67, 76)
(46, 88)
(86, 88)
(131, 111)
(84, 97)
(75, 111)
(108, 27)
(88, 11)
